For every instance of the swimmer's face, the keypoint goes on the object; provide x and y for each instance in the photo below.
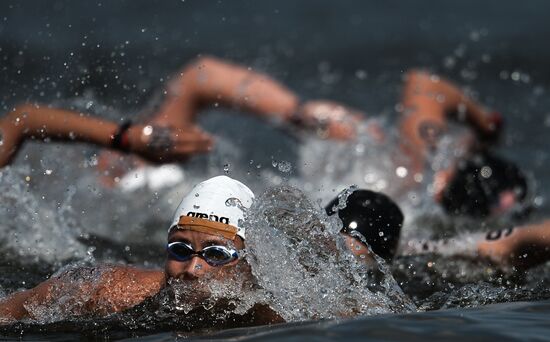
(196, 267)
(359, 249)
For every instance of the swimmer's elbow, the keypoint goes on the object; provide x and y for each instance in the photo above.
(418, 76)
(201, 63)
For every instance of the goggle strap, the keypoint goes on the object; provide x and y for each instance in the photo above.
(206, 226)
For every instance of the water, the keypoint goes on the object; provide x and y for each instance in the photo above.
(521, 321)
(109, 59)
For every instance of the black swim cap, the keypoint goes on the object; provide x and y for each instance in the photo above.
(478, 182)
(375, 216)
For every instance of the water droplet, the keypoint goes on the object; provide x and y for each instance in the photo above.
(401, 172)
(361, 74)
(369, 178)
(233, 202)
(486, 172)
(48, 172)
(284, 166)
(226, 168)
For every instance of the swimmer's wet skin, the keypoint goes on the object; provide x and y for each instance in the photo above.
(374, 218)
(171, 133)
(204, 240)
(462, 188)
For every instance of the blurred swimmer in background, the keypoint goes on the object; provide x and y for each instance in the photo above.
(171, 133)
(476, 182)
(444, 143)
(205, 243)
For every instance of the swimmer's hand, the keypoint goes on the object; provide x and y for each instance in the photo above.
(10, 139)
(329, 119)
(163, 144)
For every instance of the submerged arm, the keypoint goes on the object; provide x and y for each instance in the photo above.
(114, 290)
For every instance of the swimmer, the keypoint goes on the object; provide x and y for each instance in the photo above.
(469, 180)
(205, 241)
(477, 183)
(374, 219)
(171, 133)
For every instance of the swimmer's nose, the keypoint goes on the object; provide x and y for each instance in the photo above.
(194, 269)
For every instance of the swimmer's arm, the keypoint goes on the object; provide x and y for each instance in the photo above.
(41, 123)
(28, 121)
(209, 81)
(523, 247)
(262, 314)
(118, 289)
(123, 288)
(427, 100)
(12, 307)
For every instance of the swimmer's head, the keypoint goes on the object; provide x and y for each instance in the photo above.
(373, 215)
(207, 233)
(484, 185)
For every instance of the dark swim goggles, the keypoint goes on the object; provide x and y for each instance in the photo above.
(213, 255)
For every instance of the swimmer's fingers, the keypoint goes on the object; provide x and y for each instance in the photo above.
(163, 144)
(487, 123)
(343, 129)
(191, 142)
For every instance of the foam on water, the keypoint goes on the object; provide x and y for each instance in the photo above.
(32, 232)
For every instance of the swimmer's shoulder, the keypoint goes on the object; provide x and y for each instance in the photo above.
(122, 287)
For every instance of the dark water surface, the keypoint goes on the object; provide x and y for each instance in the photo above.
(521, 321)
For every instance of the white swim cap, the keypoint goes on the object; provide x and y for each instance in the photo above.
(215, 206)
